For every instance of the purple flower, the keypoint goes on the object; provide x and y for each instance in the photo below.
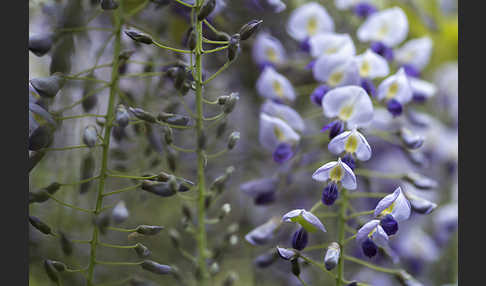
(383, 50)
(300, 239)
(394, 107)
(330, 194)
(318, 93)
(364, 9)
(282, 153)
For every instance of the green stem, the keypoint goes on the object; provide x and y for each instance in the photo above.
(106, 138)
(69, 147)
(122, 190)
(359, 214)
(341, 239)
(116, 246)
(371, 266)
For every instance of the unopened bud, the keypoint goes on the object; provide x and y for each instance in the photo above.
(142, 251)
(233, 139)
(234, 47)
(61, 267)
(40, 44)
(120, 212)
(295, 266)
(122, 117)
(87, 171)
(249, 29)
(206, 9)
(109, 4)
(420, 181)
(90, 135)
(175, 119)
(225, 210)
(230, 279)
(175, 237)
(172, 159)
(139, 37)
(332, 256)
(266, 259)
(51, 271)
(410, 139)
(66, 245)
(231, 102)
(142, 114)
(214, 268)
(407, 279)
(223, 99)
(48, 86)
(173, 184)
(286, 254)
(39, 225)
(148, 229)
(221, 129)
(102, 222)
(39, 138)
(420, 205)
(156, 268)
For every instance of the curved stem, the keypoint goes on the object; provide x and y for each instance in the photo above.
(342, 229)
(118, 19)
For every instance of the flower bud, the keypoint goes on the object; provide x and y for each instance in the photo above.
(87, 171)
(139, 37)
(332, 256)
(39, 225)
(39, 138)
(295, 266)
(206, 9)
(66, 245)
(40, 44)
(233, 139)
(90, 135)
(120, 212)
(175, 237)
(172, 159)
(287, 254)
(247, 30)
(221, 128)
(122, 117)
(39, 196)
(420, 181)
(48, 86)
(218, 183)
(109, 4)
(420, 205)
(230, 279)
(231, 102)
(234, 47)
(51, 271)
(411, 140)
(175, 119)
(214, 268)
(168, 135)
(58, 265)
(223, 99)
(35, 158)
(156, 268)
(148, 229)
(266, 259)
(173, 184)
(192, 40)
(225, 210)
(142, 114)
(142, 251)
(300, 239)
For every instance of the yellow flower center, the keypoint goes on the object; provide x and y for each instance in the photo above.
(383, 31)
(271, 55)
(346, 112)
(392, 91)
(364, 70)
(351, 144)
(332, 50)
(388, 210)
(277, 87)
(312, 26)
(278, 133)
(335, 78)
(336, 173)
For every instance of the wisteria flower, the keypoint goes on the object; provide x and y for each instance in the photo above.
(352, 143)
(391, 209)
(308, 20)
(362, 8)
(335, 172)
(308, 223)
(389, 26)
(273, 85)
(336, 70)
(275, 6)
(331, 44)
(371, 65)
(421, 89)
(284, 112)
(267, 50)
(350, 105)
(415, 54)
(370, 236)
(263, 233)
(262, 190)
(396, 91)
(276, 135)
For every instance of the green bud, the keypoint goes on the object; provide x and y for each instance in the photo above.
(90, 136)
(234, 47)
(225, 210)
(149, 229)
(173, 184)
(48, 86)
(35, 158)
(156, 268)
(40, 44)
(221, 128)
(249, 29)
(51, 271)
(109, 4)
(295, 266)
(40, 225)
(175, 119)
(139, 37)
(233, 139)
(61, 267)
(142, 251)
(206, 9)
(142, 114)
(231, 102)
(87, 171)
(38, 196)
(158, 188)
(39, 138)
(214, 268)
(66, 245)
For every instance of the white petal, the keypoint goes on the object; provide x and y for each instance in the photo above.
(336, 70)
(284, 112)
(331, 44)
(291, 214)
(349, 179)
(363, 111)
(363, 152)
(308, 20)
(322, 174)
(386, 202)
(313, 220)
(273, 85)
(396, 86)
(372, 65)
(337, 144)
(422, 87)
(402, 209)
(263, 233)
(366, 229)
(120, 212)
(380, 237)
(415, 52)
(256, 187)
(346, 4)
(389, 26)
(268, 49)
(274, 131)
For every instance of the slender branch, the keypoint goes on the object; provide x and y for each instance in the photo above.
(215, 50)
(68, 204)
(372, 266)
(116, 263)
(69, 147)
(184, 3)
(358, 214)
(134, 187)
(80, 116)
(171, 49)
(116, 246)
(121, 229)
